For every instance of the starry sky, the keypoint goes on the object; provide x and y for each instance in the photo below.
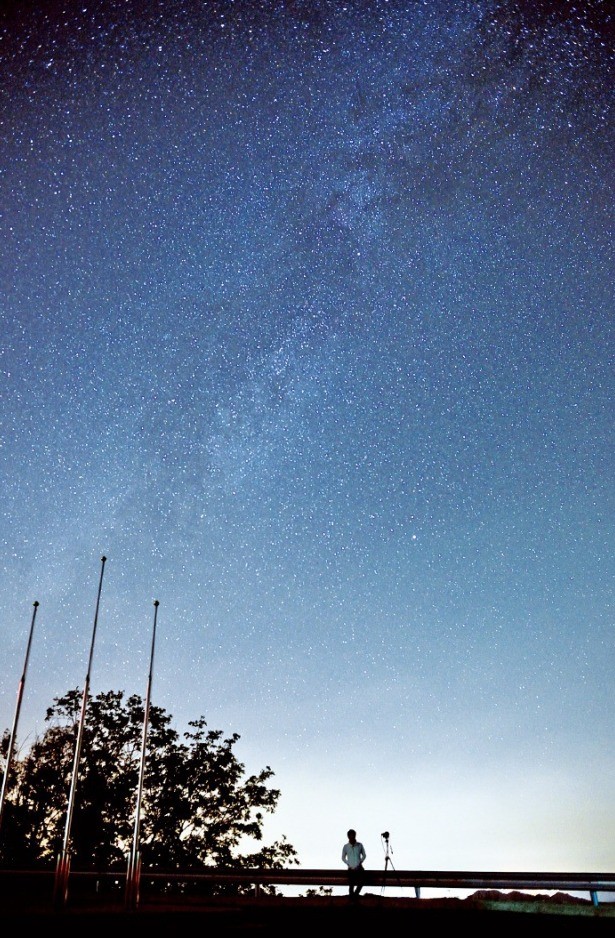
(307, 326)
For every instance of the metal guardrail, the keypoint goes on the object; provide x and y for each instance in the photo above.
(593, 883)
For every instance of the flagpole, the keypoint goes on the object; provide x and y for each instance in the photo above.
(22, 682)
(134, 862)
(63, 864)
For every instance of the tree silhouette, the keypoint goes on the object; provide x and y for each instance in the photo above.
(198, 808)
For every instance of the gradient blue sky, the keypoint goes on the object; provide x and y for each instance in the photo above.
(307, 325)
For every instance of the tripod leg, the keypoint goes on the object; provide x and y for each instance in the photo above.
(384, 875)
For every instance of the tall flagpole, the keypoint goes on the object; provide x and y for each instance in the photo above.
(134, 862)
(22, 682)
(63, 865)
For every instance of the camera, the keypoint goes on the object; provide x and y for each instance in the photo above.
(385, 834)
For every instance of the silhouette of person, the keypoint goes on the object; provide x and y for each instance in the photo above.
(353, 855)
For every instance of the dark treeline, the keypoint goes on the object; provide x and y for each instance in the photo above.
(198, 805)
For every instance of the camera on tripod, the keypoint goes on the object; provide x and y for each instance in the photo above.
(385, 834)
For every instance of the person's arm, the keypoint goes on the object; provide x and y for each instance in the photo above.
(345, 854)
(363, 854)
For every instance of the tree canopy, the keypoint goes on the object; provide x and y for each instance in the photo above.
(199, 808)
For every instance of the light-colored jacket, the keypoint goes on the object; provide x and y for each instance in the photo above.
(353, 854)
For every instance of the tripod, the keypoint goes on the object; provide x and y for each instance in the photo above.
(387, 859)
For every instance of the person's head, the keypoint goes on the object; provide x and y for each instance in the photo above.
(352, 835)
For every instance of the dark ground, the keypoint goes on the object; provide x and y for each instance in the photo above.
(321, 916)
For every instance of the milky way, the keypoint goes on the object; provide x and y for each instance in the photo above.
(307, 325)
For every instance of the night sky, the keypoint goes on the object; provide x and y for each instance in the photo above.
(307, 326)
